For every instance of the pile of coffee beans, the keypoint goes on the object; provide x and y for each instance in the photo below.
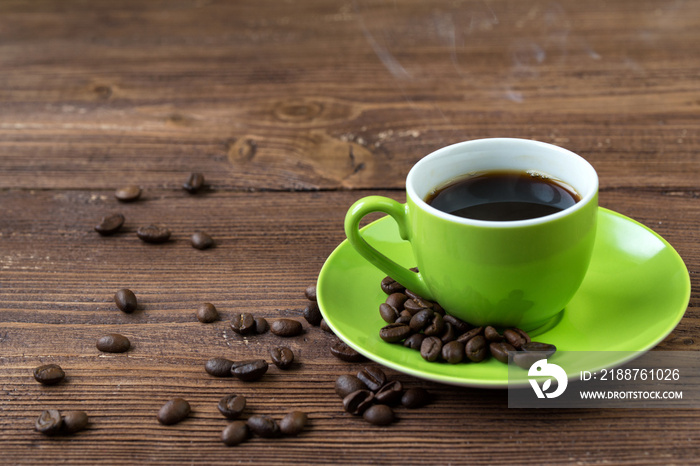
(423, 325)
(52, 422)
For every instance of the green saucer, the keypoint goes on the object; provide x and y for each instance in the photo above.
(635, 293)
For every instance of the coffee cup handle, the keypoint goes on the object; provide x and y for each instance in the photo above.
(411, 280)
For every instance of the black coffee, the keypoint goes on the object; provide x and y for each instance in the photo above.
(503, 196)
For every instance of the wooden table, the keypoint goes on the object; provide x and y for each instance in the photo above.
(292, 110)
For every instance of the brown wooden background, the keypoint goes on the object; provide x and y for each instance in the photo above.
(292, 110)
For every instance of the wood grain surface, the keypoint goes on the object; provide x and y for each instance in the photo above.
(292, 110)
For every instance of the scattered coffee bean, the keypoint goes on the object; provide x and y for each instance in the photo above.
(448, 334)
(347, 384)
(469, 334)
(431, 348)
(525, 360)
(286, 327)
(263, 426)
(412, 306)
(453, 352)
(325, 327)
(218, 367)
(373, 377)
(128, 193)
(310, 293)
(312, 314)
(49, 374)
(491, 334)
(357, 402)
(379, 415)
(345, 353)
(396, 300)
(282, 357)
(154, 234)
(194, 183)
(389, 286)
(174, 411)
(125, 300)
(542, 348)
(476, 349)
(207, 313)
(113, 343)
(435, 327)
(414, 341)
(388, 312)
(243, 324)
(390, 393)
(261, 325)
(235, 433)
(415, 398)
(293, 423)
(74, 421)
(421, 319)
(404, 317)
(110, 224)
(394, 333)
(232, 406)
(513, 337)
(458, 325)
(201, 240)
(249, 370)
(49, 422)
(499, 350)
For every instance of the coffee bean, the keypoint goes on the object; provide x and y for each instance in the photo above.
(536, 347)
(491, 334)
(523, 334)
(249, 370)
(448, 334)
(404, 317)
(282, 357)
(49, 422)
(128, 193)
(113, 343)
(310, 293)
(421, 319)
(414, 341)
(261, 325)
(431, 348)
(110, 224)
(207, 313)
(218, 367)
(154, 234)
(396, 300)
(347, 384)
(388, 312)
(201, 240)
(263, 426)
(389, 286)
(243, 324)
(358, 401)
(232, 406)
(345, 353)
(174, 411)
(412, 306)
(49, 374)
(525, 360)
(194, 183)
(415, 398)
(453, 352)
(469, 334)
(412, 294)
(458, 325)
(499, 350)
(394, 333)
(286, 327)
(293, 423)
(312, 314)
(373, 377)
(325, 327)
(476, 349)
(74, 421)
(390, 393)
(435, 327)
(125, 300)
(235, 433)
(513, 337)
(379, 415)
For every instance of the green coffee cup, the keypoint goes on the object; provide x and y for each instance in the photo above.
(517, 273)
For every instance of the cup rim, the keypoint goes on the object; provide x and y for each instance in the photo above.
(420, 202)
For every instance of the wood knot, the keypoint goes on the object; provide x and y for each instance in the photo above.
(243, 149)
(297, 111)
(102, 92)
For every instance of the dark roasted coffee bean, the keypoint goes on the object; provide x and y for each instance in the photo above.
(310, 293)
(113, 343)
(110, 224)
(421, 319)
(499, 350)
(389, 286)
(544, 349)
(325, 327)
(513, 337)
(458, 325)
(174, 411)
(379, 415)
(448, 334)
(435, 327)
(243, 324)
(125, 300)
(373, 377)
(235, 433)
(232, 406)
(49, 374)
(286, 327)
(357, 402)
(128, 193)
(194, 183)
(154, 234)
(282, 357)
(423, 303)
(263, 426)
(312, 314)
(293, 423)
(476, 349)
(218, 367)
(431, 348)
(49, 422)
(404, 318)
(201, 240)
(393, 333)
(249, 370)
(396, 300)
(261, 325)
(415, 398)
(525, 360)
(388, 312)
(345, 353)
(491, 334)
(74, 421)
(414, 341)
(390, 393)
(469, 334)
(453, 352)
(207, 313)
(439, 310)
(346, 384)
(523, 334)
(412, 306)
